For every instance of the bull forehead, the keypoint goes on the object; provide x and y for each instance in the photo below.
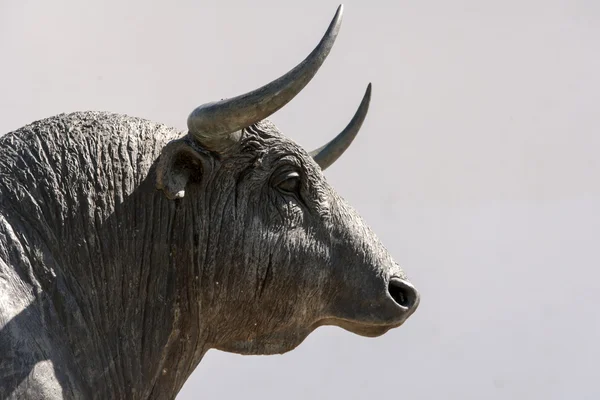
(271, 145)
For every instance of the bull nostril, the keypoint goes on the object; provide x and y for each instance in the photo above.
(403, 293)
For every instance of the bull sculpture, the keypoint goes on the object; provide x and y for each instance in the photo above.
(112, 289)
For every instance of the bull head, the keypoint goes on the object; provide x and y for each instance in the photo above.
(315, 260)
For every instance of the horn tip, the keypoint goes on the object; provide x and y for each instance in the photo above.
(367, 96)
(339, 12)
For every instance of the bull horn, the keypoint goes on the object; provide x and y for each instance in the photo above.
(328, 154)
(211, 122)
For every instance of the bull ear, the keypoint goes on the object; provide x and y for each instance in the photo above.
(179, 163)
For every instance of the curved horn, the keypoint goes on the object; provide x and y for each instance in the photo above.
(328, 154)
(221, 118)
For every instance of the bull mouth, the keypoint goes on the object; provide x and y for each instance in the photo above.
(360, 328)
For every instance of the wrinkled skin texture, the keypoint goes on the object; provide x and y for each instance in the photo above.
(110, 288)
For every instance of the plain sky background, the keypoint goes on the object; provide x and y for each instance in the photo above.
(478, 167)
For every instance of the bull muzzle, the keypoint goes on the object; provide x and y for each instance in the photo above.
(404, 295)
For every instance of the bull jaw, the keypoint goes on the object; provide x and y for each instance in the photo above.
(270, 344)
(284, 341)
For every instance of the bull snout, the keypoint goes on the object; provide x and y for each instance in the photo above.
(404, 294)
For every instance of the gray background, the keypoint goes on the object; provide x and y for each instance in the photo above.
(477, 166)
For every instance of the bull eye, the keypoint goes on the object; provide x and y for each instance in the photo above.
(289, 182)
